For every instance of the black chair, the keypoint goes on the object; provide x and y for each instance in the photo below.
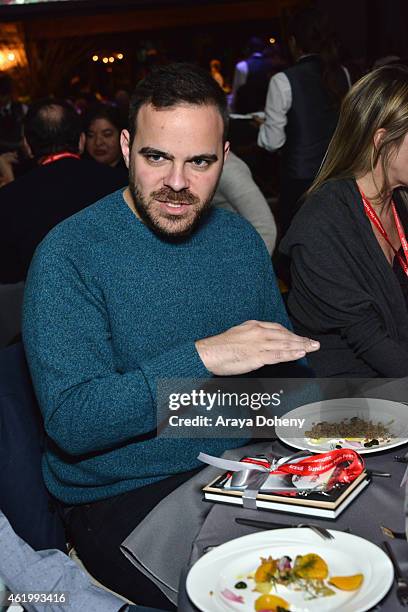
(24, 499)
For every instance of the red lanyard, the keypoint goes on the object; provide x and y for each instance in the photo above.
(53, 158)
(372, 215)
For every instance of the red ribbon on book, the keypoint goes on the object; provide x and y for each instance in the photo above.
(317, 464)
(259, 469)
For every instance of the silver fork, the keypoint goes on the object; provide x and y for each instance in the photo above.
(402, 582)
(321, 531)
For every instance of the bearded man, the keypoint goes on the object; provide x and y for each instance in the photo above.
(149, 283)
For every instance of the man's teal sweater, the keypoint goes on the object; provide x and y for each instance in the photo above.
(111, 309)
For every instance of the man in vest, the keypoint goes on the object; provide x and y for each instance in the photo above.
(302, 108)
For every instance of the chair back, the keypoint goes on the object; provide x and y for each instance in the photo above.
(24, 499)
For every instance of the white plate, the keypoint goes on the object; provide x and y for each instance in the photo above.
(346, 555)
(376, 410)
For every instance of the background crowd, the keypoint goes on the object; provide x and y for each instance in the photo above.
(284, 95)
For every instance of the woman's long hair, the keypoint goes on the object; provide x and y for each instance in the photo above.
(379, 100)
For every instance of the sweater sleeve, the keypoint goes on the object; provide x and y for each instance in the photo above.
(329, 295)
(88, 405)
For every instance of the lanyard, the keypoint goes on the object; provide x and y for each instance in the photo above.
(53, 158)
(372, 215)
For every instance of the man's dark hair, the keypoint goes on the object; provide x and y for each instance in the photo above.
(173, 84)
(52, 126)
(311, 30)
(103, 111)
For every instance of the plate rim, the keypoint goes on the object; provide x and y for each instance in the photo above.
(284, 532)
(297, 442)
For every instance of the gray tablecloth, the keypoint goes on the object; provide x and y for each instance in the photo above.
(160, 546)
(382, 502)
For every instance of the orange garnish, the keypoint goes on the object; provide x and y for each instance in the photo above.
(271, 603)
(311, 567)
(347, 583)
(265, 570)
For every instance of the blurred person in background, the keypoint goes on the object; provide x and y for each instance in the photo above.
(302, 108)
(238, 192)
(11, 117)
(102, 126)
(122, 102)
(7, 161)
(215, 69)
(59, 185)
(251, 78)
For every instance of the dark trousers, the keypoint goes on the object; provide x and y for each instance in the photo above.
(98, 529)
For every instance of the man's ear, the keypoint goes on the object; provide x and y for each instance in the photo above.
(226, 150)
(125, 146)
(81, 143)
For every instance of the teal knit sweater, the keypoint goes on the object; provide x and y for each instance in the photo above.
(110, 309)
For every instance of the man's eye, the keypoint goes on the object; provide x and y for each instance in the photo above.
(155, 159)
(200, 163)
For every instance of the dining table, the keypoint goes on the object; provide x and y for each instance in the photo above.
(379, 504)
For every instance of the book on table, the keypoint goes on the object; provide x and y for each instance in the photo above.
(292, 494)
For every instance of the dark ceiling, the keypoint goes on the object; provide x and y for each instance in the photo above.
(21, 12)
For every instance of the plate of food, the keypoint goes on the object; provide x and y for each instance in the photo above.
(291, 570)
(366, 425)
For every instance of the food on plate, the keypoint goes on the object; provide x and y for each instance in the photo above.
(311, 567)
(266, 569)
(271, 603)
(347, 583)
(355, 432)
(308, 573)
(232, 596)
(241, 585)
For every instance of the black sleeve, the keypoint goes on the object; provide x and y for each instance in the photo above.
(329, 295)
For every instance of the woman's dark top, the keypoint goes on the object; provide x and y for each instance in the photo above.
(344, 291)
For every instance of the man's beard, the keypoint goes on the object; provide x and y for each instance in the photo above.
(170, 227)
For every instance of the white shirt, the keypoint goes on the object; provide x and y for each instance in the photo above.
(271, 134)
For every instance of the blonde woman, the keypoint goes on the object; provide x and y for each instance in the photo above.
(349, 256)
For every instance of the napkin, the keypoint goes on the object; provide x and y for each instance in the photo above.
(173, 526)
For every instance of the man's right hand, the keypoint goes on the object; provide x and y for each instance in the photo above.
(250, 346)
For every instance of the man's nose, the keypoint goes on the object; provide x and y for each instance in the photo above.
(176, 178)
